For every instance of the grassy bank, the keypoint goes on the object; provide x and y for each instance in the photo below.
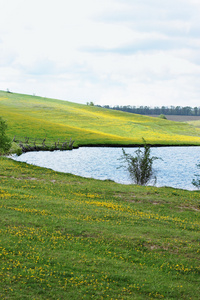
(39, 118)
(67, 237)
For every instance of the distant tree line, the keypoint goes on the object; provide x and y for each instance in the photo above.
(165, 110)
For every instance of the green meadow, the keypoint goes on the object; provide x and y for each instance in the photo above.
(67, 237)
(39, 118)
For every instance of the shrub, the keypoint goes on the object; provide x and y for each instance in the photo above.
(196, 182)
(140, 167)
(5, 142)
(162, 117)
(90, 103)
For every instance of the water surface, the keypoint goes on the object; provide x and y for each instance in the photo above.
(176, 169)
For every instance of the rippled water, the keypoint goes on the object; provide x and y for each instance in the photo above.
(176, 169)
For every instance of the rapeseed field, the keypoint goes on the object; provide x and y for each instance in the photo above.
(39, 118)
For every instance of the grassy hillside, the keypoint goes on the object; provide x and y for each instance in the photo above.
(67, 237)
(37, 118)
(195, 123)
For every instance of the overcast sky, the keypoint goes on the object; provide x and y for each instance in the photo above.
(116, 52)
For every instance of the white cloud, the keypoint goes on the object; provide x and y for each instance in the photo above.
(141, 52)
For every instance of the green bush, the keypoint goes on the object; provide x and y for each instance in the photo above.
(162, 117)
(5, 142)
(140, 167)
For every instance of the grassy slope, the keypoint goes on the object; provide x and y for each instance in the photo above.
(67, 237)
(38, 117)
(195, 123)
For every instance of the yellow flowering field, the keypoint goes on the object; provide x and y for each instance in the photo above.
(55, 120)
(67, 237)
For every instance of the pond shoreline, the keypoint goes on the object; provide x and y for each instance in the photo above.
(29, 148)
(135, 145)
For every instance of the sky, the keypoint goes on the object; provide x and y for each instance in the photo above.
(110, 52)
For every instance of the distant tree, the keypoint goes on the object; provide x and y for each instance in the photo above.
(140, 167)
(196, 180)
(90, 103)
(165, 110)
(187, 110)
(5, 142)
(195, 109)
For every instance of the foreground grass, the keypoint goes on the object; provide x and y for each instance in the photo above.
(67, 237)
(39, 118)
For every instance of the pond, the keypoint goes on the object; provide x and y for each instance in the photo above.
(176, 169)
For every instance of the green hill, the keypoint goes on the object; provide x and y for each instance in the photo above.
(39, 118)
